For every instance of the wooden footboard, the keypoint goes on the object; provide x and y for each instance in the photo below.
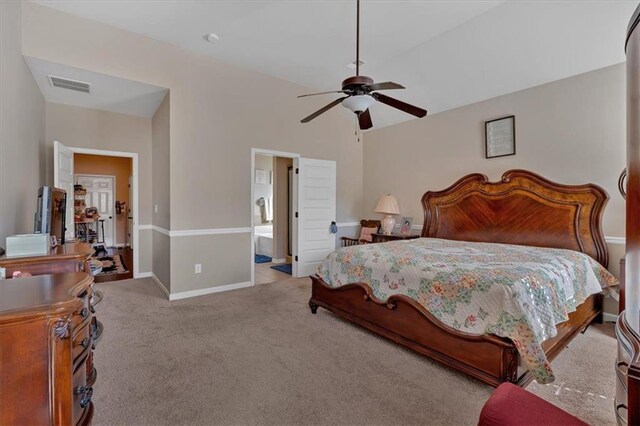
(490, 358)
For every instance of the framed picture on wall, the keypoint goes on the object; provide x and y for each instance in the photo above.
(261, 176)
(500, 137)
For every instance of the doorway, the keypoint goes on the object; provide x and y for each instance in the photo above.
(99, 193)
(104, 185)
(272, 218)
(104, 182)
(290, 234)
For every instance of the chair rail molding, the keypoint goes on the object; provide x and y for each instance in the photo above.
(194, 232)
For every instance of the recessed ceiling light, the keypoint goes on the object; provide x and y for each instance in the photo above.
(352, 65)
(211, 37)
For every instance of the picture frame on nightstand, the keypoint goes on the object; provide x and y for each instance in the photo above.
(405, 225)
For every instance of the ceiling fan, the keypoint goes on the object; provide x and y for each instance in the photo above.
(361, 92)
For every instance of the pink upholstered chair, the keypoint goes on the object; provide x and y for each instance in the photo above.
(366, 229)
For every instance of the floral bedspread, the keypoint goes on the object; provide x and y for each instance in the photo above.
(518, 292)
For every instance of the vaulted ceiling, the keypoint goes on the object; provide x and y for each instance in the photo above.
(447, 53)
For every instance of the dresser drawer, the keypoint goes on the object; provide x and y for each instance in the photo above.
(81, 341)
(82, 315)
(82, 393)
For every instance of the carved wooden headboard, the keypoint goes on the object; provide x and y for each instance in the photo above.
(523, 208)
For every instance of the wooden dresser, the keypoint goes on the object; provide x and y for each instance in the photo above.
(46, 350)
(72, 257)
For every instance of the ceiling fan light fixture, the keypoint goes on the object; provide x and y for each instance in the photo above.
(358, 103)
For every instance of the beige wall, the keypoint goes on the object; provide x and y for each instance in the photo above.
(145, 246)
(121, 168)
(218, 255)
(161, 263)
(160, 136)
(21, 129)
(571, 131)
(218, 112)
(161, 175)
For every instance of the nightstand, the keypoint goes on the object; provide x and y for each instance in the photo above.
(382, 238)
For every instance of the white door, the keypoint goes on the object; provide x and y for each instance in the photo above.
(129, 213)
(100, 194)
(63, 179)
(315, 190)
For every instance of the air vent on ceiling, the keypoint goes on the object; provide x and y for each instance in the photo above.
(65, 83)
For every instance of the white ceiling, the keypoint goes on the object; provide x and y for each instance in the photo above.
(447, 53)
(107, 93)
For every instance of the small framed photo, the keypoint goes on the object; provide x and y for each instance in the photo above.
(500, 137)
(261, 176)
(405, 225)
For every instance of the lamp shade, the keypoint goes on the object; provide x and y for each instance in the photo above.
(358, 103)
(387, 204)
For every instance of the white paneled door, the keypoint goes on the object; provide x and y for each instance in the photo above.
(63, 179)
(315, 190)
(100, 194)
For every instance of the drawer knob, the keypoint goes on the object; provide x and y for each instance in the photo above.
(84, 312)
(85, 393)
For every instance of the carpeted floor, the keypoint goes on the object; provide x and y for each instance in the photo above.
(258, 356)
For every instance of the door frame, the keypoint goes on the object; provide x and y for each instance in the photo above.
(136, 196)
(272, 153)
(113, 228)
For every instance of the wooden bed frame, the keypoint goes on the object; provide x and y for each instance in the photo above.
(523, 208)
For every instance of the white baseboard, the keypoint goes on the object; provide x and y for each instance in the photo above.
(607, 317)
(202, 292)
(279, 260)
(120, 245)
(192, 293)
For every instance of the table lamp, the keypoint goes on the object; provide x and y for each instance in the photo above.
(388, 206)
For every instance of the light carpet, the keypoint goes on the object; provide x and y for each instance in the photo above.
(258, 356)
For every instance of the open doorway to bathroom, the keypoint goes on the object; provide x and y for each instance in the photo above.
(272, 217)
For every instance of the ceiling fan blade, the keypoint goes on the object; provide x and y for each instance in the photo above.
(386, 85)
(402, 106)
(364, 119)
(323, 110)
(321, 93)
